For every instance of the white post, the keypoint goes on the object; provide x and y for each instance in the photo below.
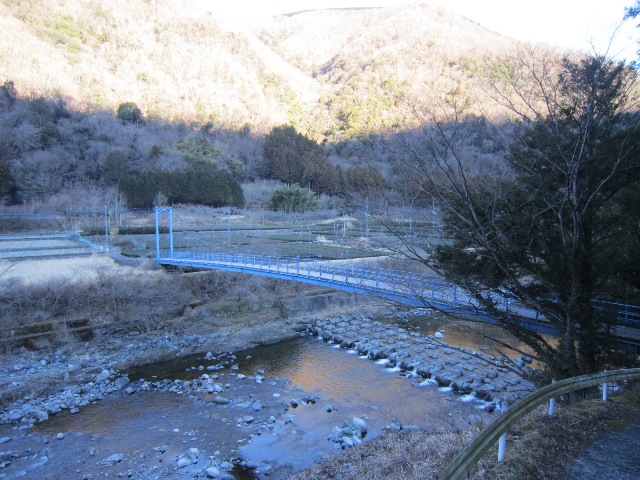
(604, 391)
(552, 403)
(366, 215)
(502, 443)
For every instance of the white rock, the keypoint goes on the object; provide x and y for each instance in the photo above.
(212, 472)
(194, 453)
(359, 424)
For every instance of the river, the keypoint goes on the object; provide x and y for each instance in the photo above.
(328, 386)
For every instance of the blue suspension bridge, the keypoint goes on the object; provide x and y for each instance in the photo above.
(408, 288)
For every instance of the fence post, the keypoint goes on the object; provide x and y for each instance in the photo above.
(552, 403)
(502, 443)
(604, 391)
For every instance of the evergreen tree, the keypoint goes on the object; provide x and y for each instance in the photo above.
(544, 229)
(287, 153)
(6, 182)
(129, 112)
(293, 199)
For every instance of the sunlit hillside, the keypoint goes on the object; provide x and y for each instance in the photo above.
(174, 59)
(371, 60)
(335, 73)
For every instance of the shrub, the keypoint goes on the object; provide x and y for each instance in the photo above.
(129, 112)
(293, 199)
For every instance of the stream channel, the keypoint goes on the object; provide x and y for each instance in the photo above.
(273, 414)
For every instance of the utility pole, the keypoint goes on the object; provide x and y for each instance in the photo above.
(366, 215)
(106, 230)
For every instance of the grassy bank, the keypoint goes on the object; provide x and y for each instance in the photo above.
(42, 302)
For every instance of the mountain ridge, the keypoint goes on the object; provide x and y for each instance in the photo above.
(182, 60)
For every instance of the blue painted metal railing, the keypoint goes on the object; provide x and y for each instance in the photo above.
(394, 284)
(407, 287)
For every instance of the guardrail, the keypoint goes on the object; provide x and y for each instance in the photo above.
(467, 458)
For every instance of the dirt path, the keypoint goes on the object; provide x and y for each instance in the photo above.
(616, 455)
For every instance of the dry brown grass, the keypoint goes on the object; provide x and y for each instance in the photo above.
(403, 455)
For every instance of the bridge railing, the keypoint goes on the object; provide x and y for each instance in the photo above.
(353, 274)
(417, 286)
(627, 315)
(350, 274)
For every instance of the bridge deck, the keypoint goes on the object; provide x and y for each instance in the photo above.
(409, 288)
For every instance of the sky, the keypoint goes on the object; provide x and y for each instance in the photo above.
(570, 23)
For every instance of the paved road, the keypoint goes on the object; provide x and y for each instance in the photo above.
(616, 455)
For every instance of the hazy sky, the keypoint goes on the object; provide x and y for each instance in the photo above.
(571, 23)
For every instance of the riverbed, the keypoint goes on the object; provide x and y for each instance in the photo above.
(262, 412)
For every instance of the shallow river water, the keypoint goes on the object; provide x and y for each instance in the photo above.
(342, 385)
(352, 386)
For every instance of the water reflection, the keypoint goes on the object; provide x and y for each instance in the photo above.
(352, 386)
(334, 375)
(342, 378)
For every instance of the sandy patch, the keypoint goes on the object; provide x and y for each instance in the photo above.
(42, 270)
(37, 244)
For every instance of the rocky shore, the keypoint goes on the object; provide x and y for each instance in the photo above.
(38, 387)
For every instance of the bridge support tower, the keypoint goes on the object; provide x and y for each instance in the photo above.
(169, 212)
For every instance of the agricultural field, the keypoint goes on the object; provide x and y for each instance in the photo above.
(287, 236)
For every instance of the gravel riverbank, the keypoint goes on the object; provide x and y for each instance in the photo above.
(49, 400)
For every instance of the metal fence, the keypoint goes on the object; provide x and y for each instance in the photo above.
(403, 286)
(466, 460)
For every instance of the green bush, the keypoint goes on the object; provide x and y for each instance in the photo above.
(129, 112)
(293, 199)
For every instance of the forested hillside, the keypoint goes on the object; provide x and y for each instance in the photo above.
(204, 91)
